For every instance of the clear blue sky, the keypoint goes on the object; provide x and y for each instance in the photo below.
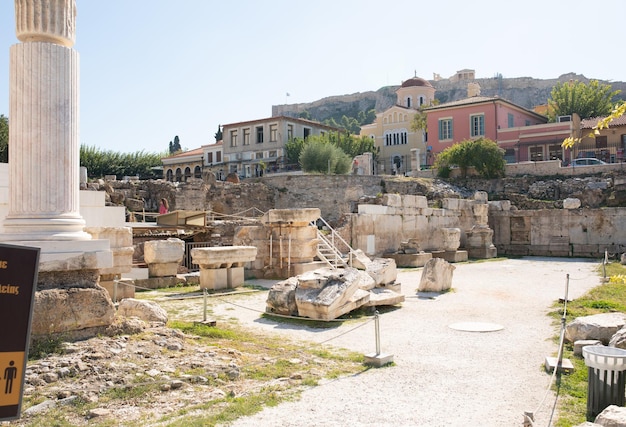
(154, 69)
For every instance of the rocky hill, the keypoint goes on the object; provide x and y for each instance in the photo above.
(524, 91)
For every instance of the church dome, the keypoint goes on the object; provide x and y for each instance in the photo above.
(416, 81)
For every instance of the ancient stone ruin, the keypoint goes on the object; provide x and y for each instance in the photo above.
(328, 293)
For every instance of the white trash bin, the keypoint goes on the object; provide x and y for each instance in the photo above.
(606, 383)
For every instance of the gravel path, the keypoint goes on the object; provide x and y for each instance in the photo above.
(442, 376)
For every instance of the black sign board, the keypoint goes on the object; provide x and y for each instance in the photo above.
(18, 282)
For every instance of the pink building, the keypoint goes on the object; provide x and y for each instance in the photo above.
(477, 117)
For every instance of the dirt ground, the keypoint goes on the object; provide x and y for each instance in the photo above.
(444, 372)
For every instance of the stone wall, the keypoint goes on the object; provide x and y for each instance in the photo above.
(558, 232)
(334, 195)
(545, 168)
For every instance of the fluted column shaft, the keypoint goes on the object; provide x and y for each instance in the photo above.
(44, 144)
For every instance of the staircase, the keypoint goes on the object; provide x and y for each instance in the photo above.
(328, 247)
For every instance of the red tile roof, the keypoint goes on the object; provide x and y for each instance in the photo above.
(591, 122)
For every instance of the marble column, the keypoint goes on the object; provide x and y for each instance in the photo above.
(43, 133)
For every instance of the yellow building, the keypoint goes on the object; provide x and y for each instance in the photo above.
(608, 145)
(398, 145)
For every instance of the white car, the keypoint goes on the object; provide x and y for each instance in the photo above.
(587, 162)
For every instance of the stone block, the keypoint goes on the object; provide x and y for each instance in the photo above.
(148, 311)
(414, 201)
(234, 277)
(119, 290)
(384, 296)
(295, 217)
(301, 268)
(156, 283)
(54, 310)
(451, 256)
(119, 237)
(163, 269)
(295, 233)
(580, 344)
(171, 250)
(372, 209)
(500, 205)
(409, 260)
(436, 276)
(321, 311)
(450, 203)
(281, 298)
(327, 294)
(482, 253)
(481, 197)
(382, 270)
(571, 203)
(223, 256)
(394, 200)
(214, 278)
(451, 238)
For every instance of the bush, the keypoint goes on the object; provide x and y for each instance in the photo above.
(482, 154)
(326, 158)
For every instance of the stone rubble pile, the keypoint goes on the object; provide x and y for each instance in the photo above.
(326, 293)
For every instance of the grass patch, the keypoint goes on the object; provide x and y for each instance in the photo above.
(606, 298)
(42, 347)
(225, 410)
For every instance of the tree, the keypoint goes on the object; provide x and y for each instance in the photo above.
(4, 139)
(482, 154)
(323, 157)
(175, 146)
(420, 119)
(586, 100)
(293, 148)
(218, 134)
(100, 163)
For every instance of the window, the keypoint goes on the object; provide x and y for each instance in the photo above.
(246, 136)
(601, 141)
(509, 155)
(272, 154)
(273, 133)
(289, 132)
(306, 132)
(445, 129)
(536, 154)
(477, 124)
(233, 138)
(259, 135)
(511, 120)
(396, 137)
(259, 155)
(209, 158)
(197, 172)
(408, 102)
(527, 122)
(218, 157)
(555, 152)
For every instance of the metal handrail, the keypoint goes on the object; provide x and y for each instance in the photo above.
(331, 242)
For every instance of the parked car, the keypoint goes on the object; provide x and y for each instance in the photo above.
(590, 161)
